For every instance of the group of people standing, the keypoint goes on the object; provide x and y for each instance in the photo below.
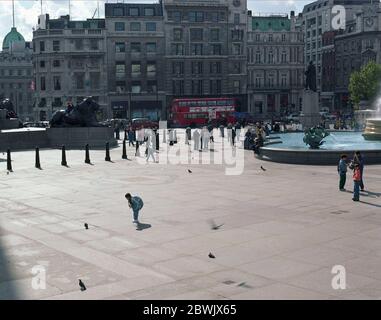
(357, 165)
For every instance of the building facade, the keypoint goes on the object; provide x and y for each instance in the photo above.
(135, 60)
(358, 44)
(275, 65)
(328, 75)
(205, 50)
(69, 63)
(320, 17)
(16, 74)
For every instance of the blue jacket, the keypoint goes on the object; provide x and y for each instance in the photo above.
(136, 203)
(342, 168)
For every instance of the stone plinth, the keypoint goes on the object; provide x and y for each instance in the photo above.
(6, 124)
(95, 137)
(310, 109)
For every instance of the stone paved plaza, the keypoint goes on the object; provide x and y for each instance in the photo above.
(284, 229)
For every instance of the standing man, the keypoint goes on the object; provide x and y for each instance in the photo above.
(188, 135)
(342, 169)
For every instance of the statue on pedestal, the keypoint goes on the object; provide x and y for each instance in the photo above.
(8, 105)
(311, 77)
(82, 115)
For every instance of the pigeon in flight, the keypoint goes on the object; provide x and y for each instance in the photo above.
(263, 169)
(211, 256)
(82, 285)
(86, 226)
(190, 171)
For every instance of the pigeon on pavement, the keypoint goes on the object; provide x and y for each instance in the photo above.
(82, 285)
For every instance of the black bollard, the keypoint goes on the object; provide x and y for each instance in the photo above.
(38, 164)
(124, 156)
(63, 161)
(87, 159)
(125, 135)
(9, 161)
(108, 158)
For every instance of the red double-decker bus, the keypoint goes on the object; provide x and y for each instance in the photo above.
(197, 112)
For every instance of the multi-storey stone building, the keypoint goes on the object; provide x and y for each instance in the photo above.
(16, 73)
(69, 61)
(328, 71)
(359, 43)
(275, 65)
(206, 54)
(135, 60)
(318, 18)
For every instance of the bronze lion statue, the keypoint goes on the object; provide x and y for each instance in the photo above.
(81, 115)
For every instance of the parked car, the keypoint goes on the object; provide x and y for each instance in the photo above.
(143, 122)
(38, 124)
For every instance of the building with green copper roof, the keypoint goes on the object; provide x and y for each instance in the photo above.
(271, 23)
(12, 36)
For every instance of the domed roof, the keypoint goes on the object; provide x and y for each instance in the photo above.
(12, 36)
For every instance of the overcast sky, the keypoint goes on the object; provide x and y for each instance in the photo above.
(27, 11)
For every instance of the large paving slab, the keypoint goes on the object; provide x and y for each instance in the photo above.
(284, 229)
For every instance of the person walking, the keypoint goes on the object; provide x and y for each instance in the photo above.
(229, 132)
(188, 135)
(136, 204)
(359, 159)
(233, 136)
(151, 148)
(196, 139)
(356, 182)
(342, 170)
(130, 135)
(222, 129)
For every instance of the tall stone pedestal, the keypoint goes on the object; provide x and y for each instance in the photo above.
(310, 109)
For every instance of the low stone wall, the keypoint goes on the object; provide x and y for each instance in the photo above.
(6, 124)
(314, 157)
(72, 138)
(79, 137)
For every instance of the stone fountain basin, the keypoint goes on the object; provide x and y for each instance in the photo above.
(294, 151)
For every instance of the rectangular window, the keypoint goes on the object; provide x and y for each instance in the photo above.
(120, 47)
(56, 63)
(236, 48)
(176, 16)
(120, 26)
(80, 80)
(118, 12)
(151, 26)
(56, 45)
(215, 35)
(197, 49)
(196, 34)
(95, 78)
(197, 67)
(151, 68)
(216, 49)
(42, 64)
(151, 47)
(152, 86)
(134, 12)
(120, 70)
(78, 44)
(136, 87)
(94, 44)
(42, 84)
(177, 34)
(178, 49)
(178, 67)
(149, 12)
(236, 18)
(135, 47)
(42, 46)
(135, 26)
(135, 68)
(57, 83)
